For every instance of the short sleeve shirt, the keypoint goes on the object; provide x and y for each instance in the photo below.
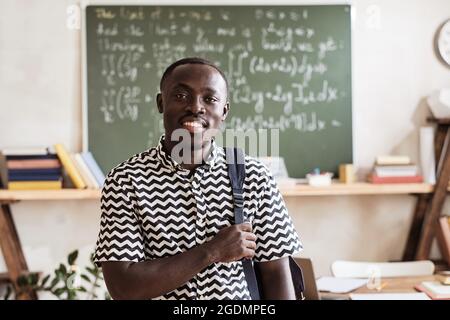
(153, 208)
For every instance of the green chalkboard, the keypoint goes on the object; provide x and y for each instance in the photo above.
(289, 68)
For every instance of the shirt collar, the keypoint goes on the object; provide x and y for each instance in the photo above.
(168, 162)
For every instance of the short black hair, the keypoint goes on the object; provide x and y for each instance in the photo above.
(190, 60)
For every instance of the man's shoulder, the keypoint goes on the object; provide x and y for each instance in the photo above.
(252, 164)
(139, 161)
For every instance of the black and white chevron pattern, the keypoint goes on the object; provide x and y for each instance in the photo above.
(152, 209)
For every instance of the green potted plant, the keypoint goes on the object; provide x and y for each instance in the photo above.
(67, 282)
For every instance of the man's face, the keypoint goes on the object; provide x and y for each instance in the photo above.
(194, 99)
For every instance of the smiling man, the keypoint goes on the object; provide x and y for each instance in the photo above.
(167, 227)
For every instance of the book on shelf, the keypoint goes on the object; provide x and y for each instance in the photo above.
(94, 167)
(396, 170)
(34, 177)
(34, 171)
(69, 166)
(32, 157)
(33, 151)
(33, 164)
(392, 160)
(35, 185)
(86, 174)
(38, 168)
(435, 290)
(373, 178)
(3, 171)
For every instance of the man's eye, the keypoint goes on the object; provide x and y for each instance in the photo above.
(181, 96)
(210, 99)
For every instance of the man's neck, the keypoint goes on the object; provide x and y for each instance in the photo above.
(194, 158)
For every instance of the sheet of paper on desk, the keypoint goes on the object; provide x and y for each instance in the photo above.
(339, 285)
(389, 296)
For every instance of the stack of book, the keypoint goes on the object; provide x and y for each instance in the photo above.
(435, 290)
(30, 169)
(42, 169)
(395, 169)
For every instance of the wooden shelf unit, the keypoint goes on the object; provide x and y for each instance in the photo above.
(63, 194)
(299, 190)
(357, 188)
(429, 207)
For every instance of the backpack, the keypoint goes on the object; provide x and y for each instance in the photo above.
(236, 172)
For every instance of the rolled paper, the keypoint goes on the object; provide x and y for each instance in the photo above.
(427, 158)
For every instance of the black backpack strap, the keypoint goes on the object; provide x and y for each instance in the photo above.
(236, 172)
(297, 279)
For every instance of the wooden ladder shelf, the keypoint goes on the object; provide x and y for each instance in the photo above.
(429, 206)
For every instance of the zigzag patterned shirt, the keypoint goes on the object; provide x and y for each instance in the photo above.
(153, 208)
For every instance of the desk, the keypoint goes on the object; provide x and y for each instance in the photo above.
(392, 285)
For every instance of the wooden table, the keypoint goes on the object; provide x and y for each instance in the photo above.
(390, 285)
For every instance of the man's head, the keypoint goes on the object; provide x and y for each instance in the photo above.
(191, 60)
(193, 99)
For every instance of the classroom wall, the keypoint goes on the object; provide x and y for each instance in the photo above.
(394, 69)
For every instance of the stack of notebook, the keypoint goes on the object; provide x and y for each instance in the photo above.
(395, 169)
(43, 168)
(30, 169)
(435, 290)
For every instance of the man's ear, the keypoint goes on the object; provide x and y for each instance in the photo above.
(159, 103)
(226, 109)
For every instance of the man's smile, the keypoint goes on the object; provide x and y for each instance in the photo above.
(192, 125)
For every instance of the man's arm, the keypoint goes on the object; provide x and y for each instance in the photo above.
(153, 278)
(276, 279)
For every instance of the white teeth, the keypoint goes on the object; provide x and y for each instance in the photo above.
(194, 124)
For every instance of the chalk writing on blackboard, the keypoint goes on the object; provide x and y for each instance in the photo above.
(123, 56)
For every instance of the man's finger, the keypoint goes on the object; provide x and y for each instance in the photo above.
(246, 226)
(250, 236)
(249, 253)
(250, 244)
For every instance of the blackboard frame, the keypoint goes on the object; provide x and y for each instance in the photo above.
(84, 4)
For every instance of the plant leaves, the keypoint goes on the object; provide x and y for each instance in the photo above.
(59, 291)
(72, 257)
(54, 283)
(37, 281)
(22, 281)
(85, 277)
(44, 280)
(71, 295)
(34, 279)
(63, 269)
(59, 275)
(92, 271)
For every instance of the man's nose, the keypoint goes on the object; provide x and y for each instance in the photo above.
(196, 105)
